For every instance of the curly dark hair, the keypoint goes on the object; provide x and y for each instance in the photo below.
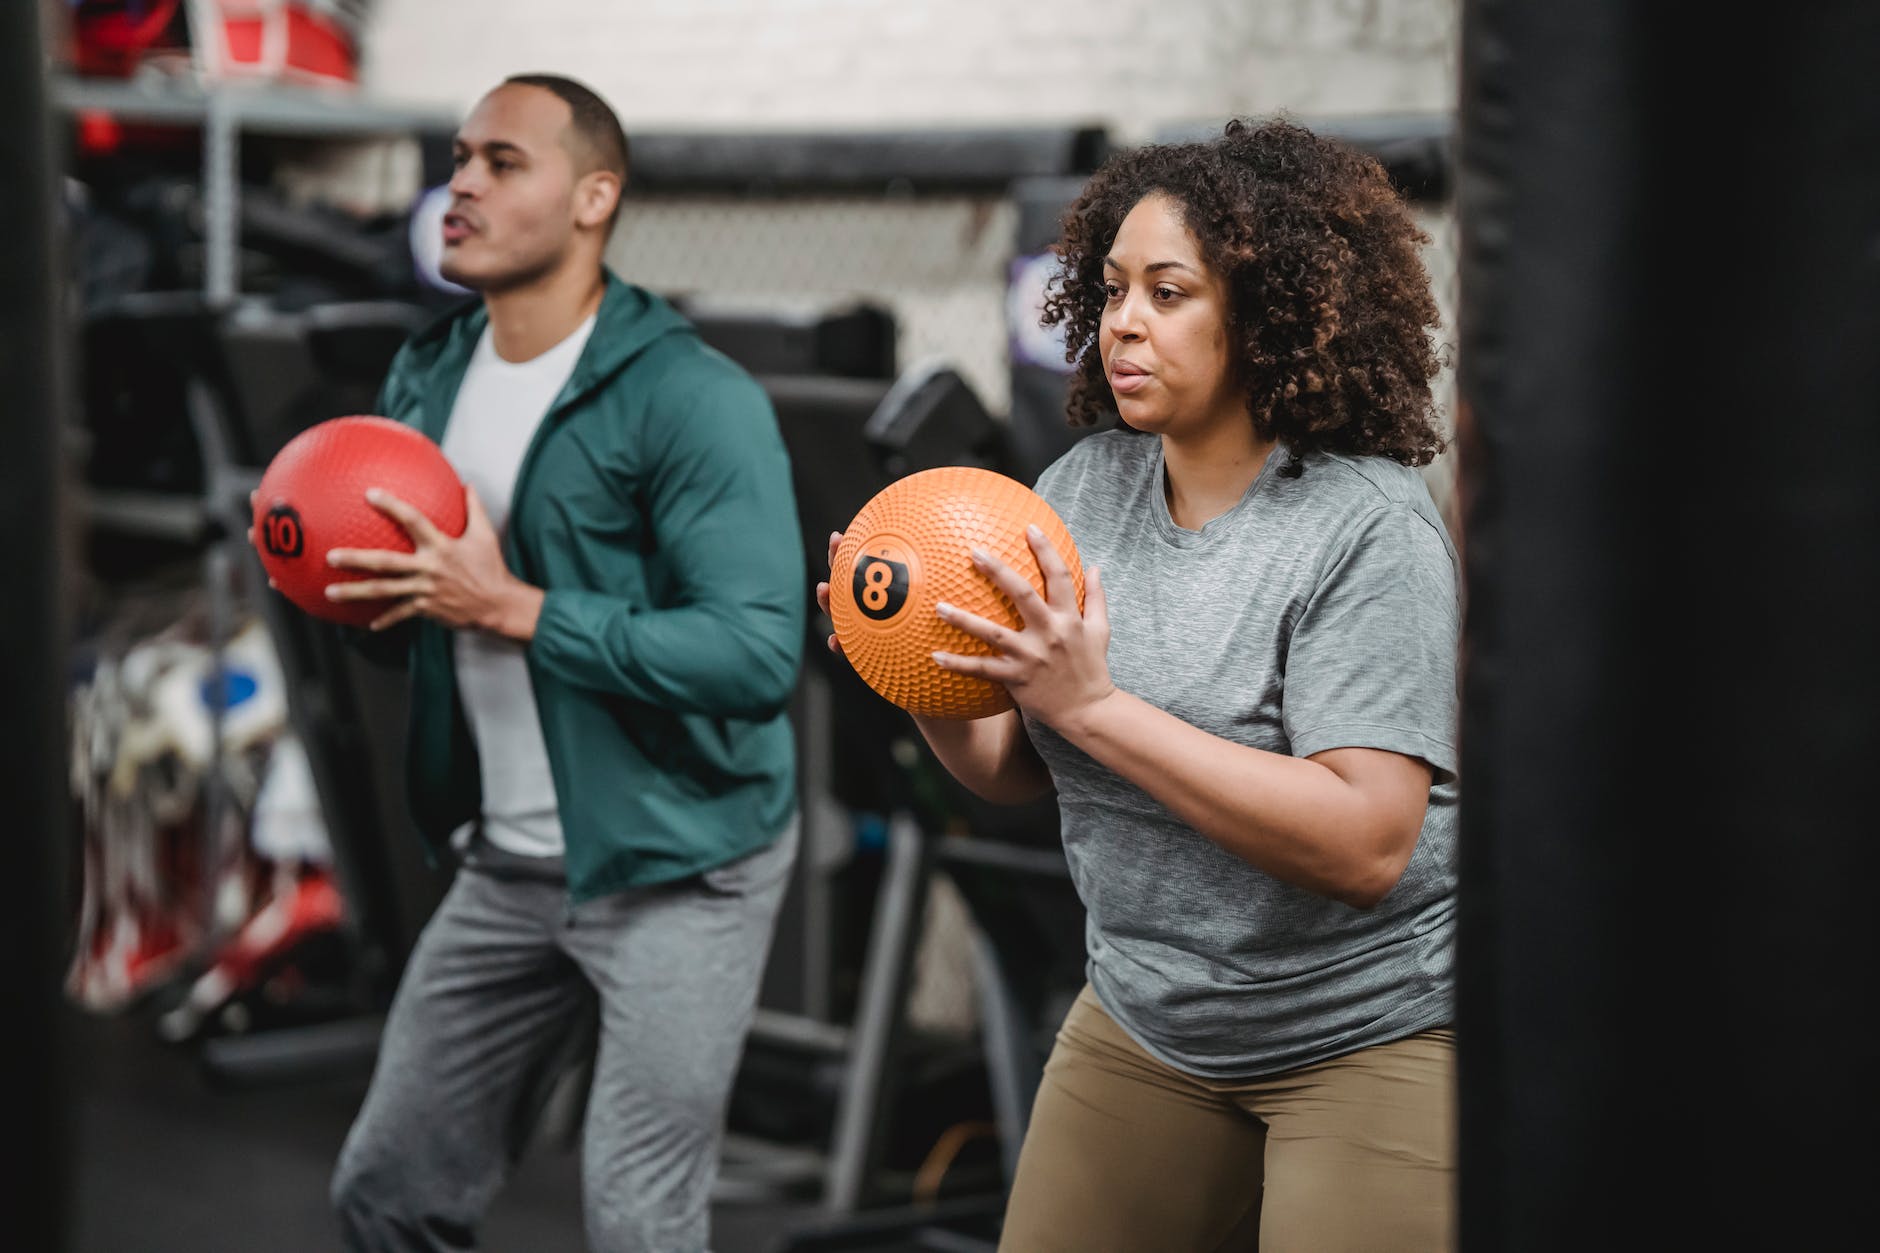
(1329, 304)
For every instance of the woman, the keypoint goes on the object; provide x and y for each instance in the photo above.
(1251, 724)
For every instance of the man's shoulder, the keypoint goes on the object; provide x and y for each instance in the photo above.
(435, 335)
(679, 373)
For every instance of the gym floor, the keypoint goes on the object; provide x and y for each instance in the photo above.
(168, 1164)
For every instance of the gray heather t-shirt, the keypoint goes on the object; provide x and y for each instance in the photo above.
(1319, 612)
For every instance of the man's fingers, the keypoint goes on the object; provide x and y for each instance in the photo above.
(408, 609)
(416, 525)
(376, 560)
(475, 514)
(377, 589)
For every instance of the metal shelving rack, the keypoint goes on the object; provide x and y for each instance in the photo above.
(225, 114)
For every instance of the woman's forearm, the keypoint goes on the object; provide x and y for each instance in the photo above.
(992, 757)
(1343, 830)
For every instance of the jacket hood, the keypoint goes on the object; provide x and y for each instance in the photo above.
(629, 321)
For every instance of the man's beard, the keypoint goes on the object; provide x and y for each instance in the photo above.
(497, 283)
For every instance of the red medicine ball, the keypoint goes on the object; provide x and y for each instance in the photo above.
(313, 499)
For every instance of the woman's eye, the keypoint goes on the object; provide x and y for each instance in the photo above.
(1166, 293)
(1112, 292)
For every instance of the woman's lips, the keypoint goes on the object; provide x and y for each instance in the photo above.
(1126, 378)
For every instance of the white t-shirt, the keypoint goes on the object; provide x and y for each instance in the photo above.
(499, 405)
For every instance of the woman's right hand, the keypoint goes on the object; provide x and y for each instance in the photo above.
(822, 589)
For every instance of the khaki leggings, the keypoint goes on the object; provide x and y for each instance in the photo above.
(1126, 1155)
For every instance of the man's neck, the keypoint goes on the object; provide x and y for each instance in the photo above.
(527, 321)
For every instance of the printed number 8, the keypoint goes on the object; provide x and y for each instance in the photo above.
(875, 585)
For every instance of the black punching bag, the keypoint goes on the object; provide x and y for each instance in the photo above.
(34, 1198)
(1670, 478)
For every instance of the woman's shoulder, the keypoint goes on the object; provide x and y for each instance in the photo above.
(1344, 484)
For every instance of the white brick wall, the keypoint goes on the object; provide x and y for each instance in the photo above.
(1131, 65)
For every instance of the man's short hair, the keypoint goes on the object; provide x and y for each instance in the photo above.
(596, 129)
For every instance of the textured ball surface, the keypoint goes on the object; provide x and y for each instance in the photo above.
(910, 548)
(312, 499)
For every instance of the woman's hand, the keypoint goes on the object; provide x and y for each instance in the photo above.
(1057, 668)
(822, 590)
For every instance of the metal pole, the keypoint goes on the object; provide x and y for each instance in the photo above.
(221, 199)
(35, 1189)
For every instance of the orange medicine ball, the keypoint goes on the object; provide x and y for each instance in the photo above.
(910, 548)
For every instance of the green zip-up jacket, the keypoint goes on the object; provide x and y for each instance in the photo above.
(654, 507)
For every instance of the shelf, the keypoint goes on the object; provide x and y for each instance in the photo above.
(226, 114)
(276, 110)
(185, 519)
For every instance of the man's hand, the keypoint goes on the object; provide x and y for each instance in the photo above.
(458, 582)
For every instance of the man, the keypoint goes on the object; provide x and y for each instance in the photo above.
(600, 667)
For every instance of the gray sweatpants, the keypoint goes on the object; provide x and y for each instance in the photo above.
(502, 975)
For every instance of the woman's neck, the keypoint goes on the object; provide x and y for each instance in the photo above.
(1205, 475)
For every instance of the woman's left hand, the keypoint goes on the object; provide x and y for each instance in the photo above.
(1058, 666)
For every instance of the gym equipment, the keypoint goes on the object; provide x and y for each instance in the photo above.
(312, 499)
(909, 549)
(1036, 431)
(172, 370)
(291, 369)
(855, 341)
(1670, 631)
(931, 417)
(837, 1079)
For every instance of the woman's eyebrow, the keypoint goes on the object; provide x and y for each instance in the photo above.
(1112, 264)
